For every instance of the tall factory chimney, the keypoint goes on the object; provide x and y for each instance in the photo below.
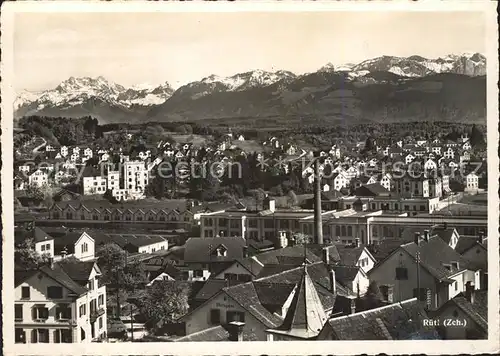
(318, 223)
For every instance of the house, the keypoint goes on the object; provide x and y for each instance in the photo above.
(471, 307)
(68, 243)
(59, 303)
(353, 278)
(38, 178)
(339, 180)
(19, 183)
(471, 182)
(436, 149)
(449, 153)
(270, 307)
(466, 146)
(88, 152)
(443, 273)
(430, 165)
(474, 249)
(385, 180)
(203, 256)
(465, 156)
(399, 321)
(447, 234)
(64, 151)
(241, 138)
(93, 181)
(409, 186)
(435, 187)
(43, 242)
(140, 243)
(352, 256)
(409, 158)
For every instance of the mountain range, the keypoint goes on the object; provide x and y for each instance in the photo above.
(386, 88)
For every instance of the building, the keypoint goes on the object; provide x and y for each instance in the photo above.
(60, 303)
(204, 256)
(408, 186)
(471, 182)
(356, 256)
(43, 242)
(93, 182)
(470, 307)
(398, 321)
(440, 274)
(38, 178)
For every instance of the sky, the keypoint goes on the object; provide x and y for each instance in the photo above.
(139, 48)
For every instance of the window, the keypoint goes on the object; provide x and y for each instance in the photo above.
(198, 273)
(40, 335)
(82, 310)
(456, 285)
(40, 313)
(101, 299)
(252, 223)
(337, 230)
(268, 224)
(85, 247)
(90, 284)
(43, 248)
(100, 322)
(215, 317)
(401, 273)
(235, 316)
(349, 231)
(25, 293)
(63, 312)
(20, 336)
(82, 334)
(18, 312)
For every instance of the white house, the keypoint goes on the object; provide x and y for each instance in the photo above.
(409, 158)
(340, 180)
(471, 182)
(59, 303)
(88, 152)
(64, 151)
(430, 165)
(38, 178)
(449, 153)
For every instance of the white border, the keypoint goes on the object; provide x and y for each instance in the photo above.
(229, 348)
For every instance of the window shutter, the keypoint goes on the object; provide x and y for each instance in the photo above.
(34, 336)
(34, 313)
(57, 336)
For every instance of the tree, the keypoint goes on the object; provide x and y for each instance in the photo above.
(291, 199)
(25, 255)
(476, 137)
(34, 192)
(373, 297)
(299, 238)
(117, 273)
(164, 302)
(108, 195)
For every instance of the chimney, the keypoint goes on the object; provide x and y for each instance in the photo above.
(481, 237)
(417, 238)
(318, 223)
(356, 242)
(235, 329)
(353, 306)
(326, 256)
(245, 251)
(470, 293)
(333, 282)
(426, 235)
(445, 225)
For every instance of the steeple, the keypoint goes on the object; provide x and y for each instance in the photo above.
(306, 316)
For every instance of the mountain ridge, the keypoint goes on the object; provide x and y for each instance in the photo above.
(257, 92)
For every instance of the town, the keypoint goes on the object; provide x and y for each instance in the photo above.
(172, 233)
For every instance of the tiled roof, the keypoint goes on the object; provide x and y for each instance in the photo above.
(433, 254)
(56, 273)
(78, 270)
(478, 310)
(465, 243)
(398, 321)
(210, 288)
(345, 274)
(272, 293)
(201, 249)
(246, 295)
(37, 234)
(444, 234)
(216, 333)
(349, 256)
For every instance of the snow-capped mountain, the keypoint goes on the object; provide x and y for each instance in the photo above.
(471, 64)
(250, 93)
(77, 91)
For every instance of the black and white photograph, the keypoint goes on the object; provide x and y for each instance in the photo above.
(234, 176)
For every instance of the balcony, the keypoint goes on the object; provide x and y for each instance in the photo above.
(94, 314)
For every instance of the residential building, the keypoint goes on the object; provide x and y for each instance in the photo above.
(442, 272)
(471, 182)
(38, 178)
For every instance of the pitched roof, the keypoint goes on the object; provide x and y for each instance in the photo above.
(56, 273)
(305, 316)
(444, 234)
(349, 255)
(37, 234)
(78, 270)
(201, 249)
(477, 311)
(465, 243)
(345, 274)
(398, 321)
(433, 254)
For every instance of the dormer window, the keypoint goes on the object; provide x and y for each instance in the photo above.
(221, 251)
